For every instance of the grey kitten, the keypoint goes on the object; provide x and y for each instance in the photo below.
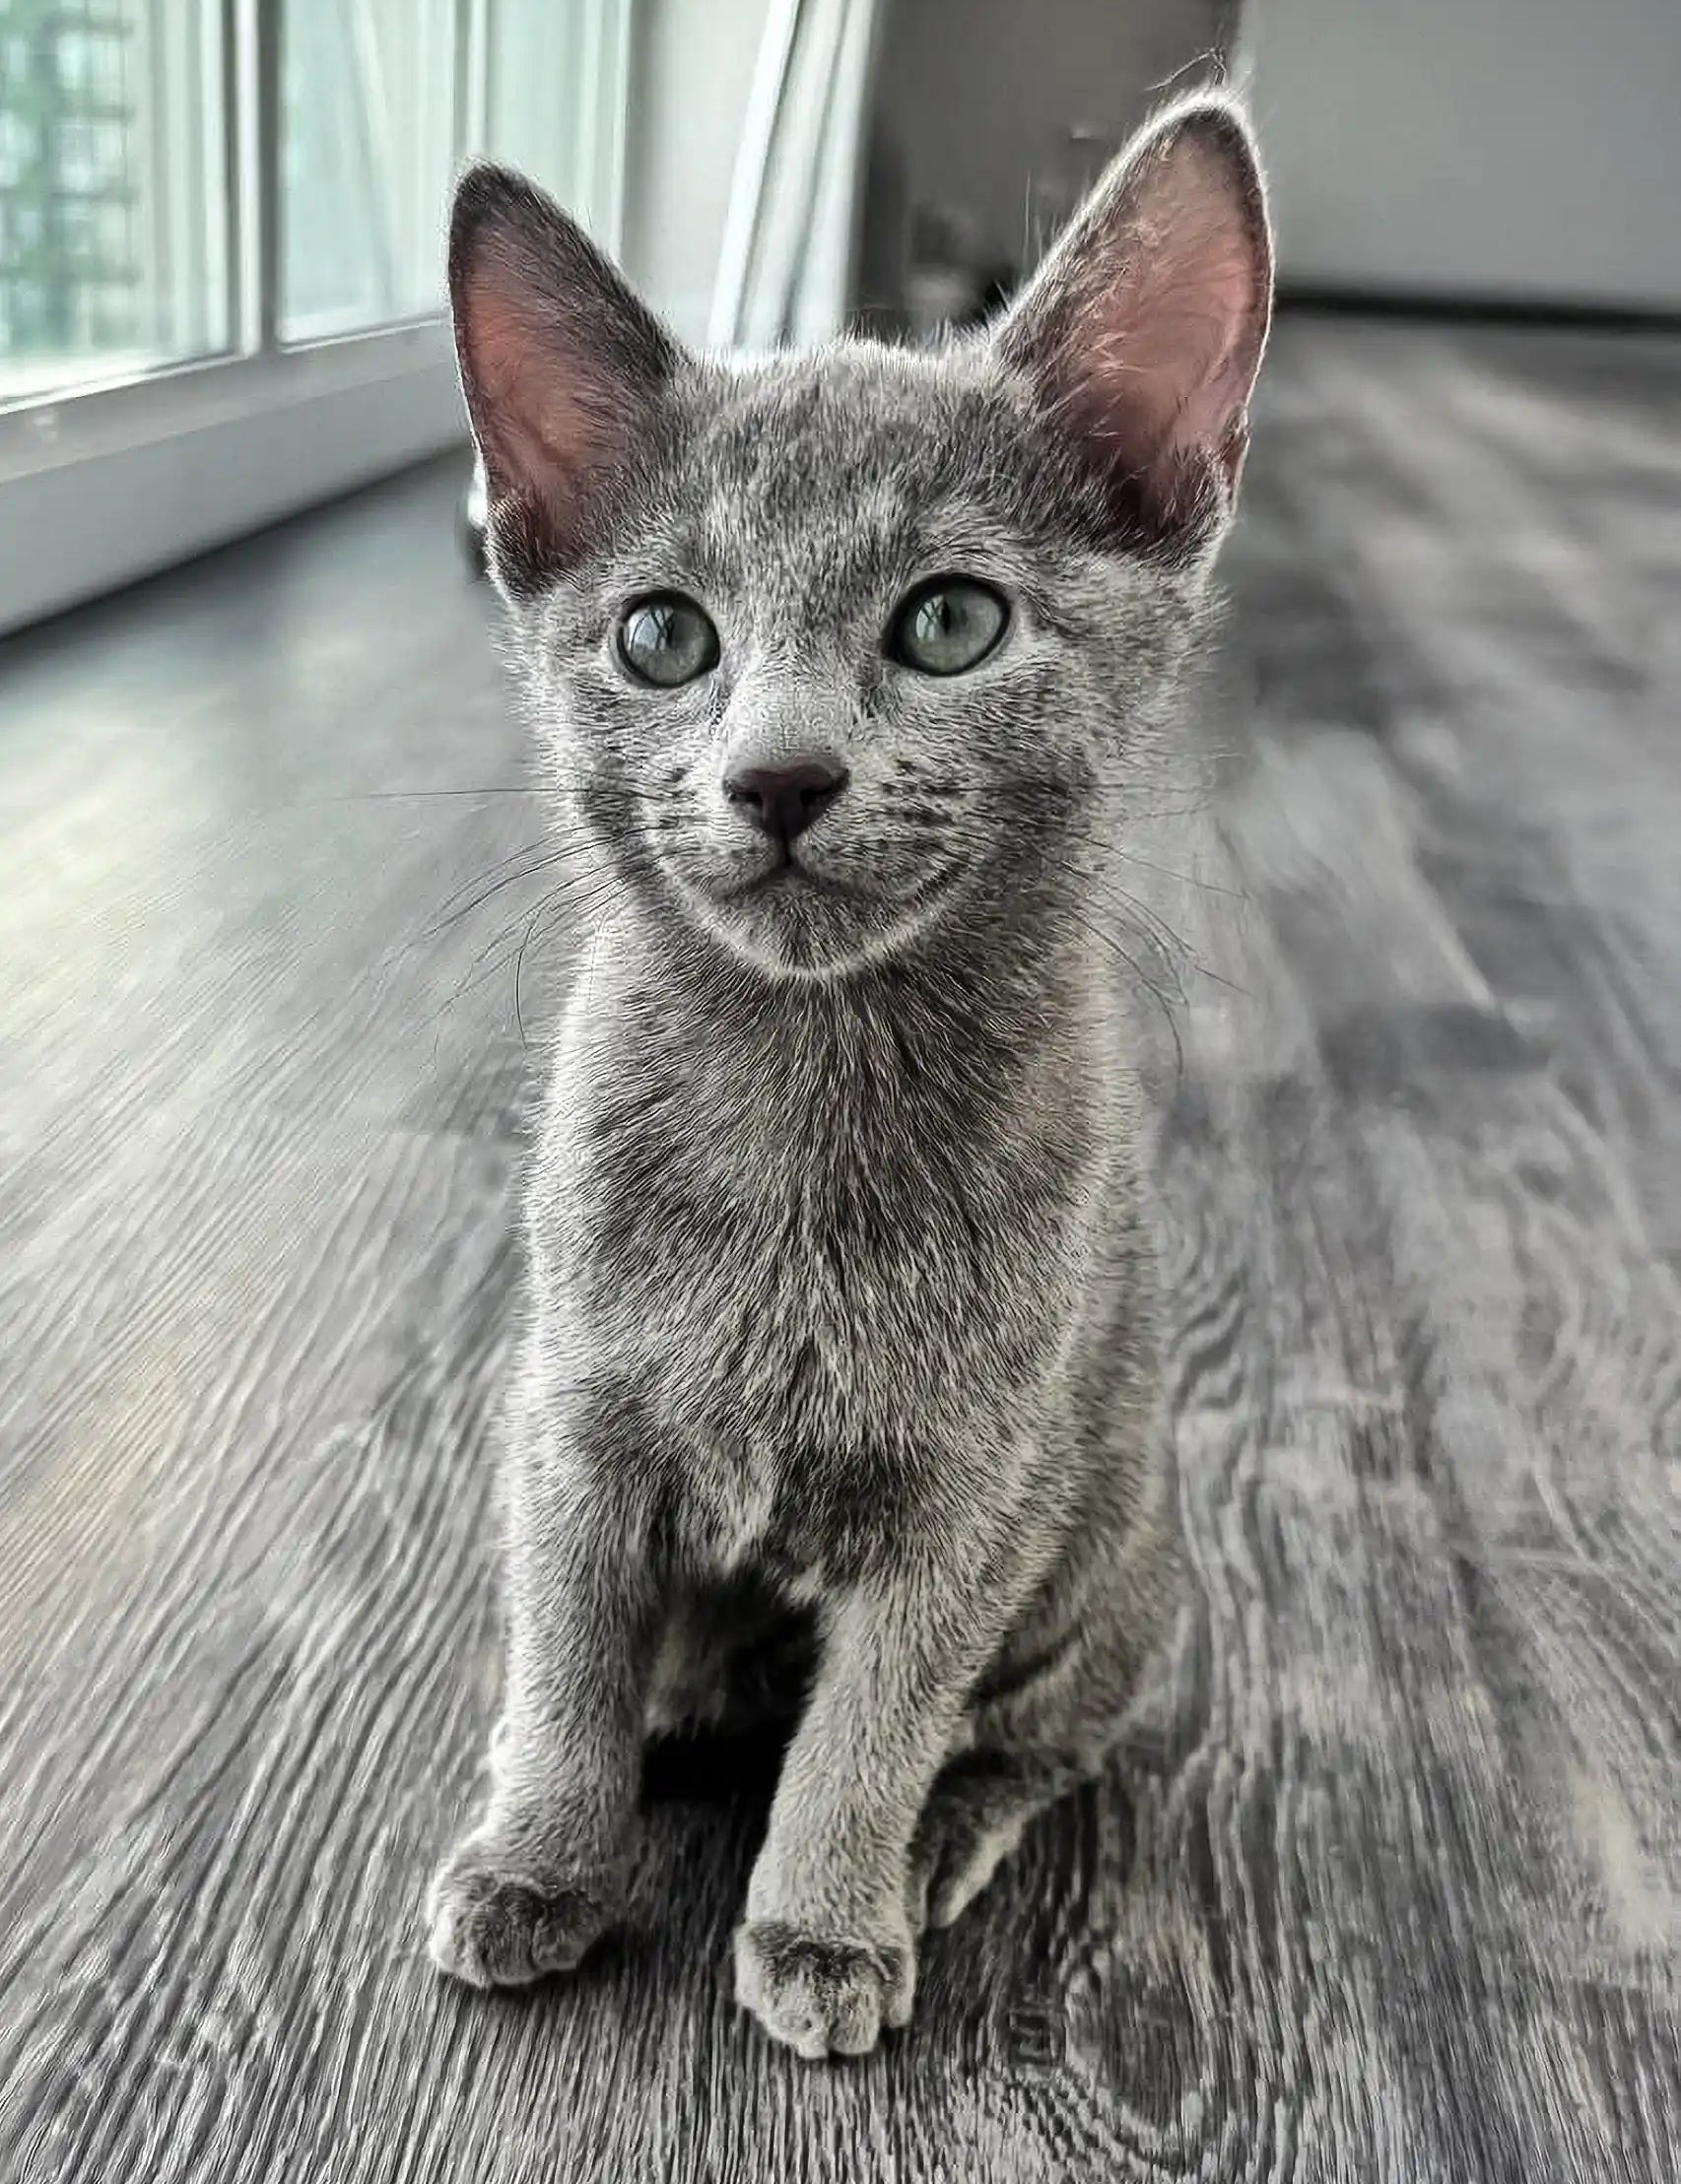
(847, 665)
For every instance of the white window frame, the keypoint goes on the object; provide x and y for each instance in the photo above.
(192, 455)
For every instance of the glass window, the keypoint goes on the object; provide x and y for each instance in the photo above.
(114, 238)
(367, 138)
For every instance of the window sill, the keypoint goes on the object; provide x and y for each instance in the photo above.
(193, 457)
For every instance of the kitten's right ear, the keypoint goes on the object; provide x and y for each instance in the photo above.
(1142, 332)
(561, 367)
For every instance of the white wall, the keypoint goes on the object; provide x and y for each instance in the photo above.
(974, 93)
(1515, 150)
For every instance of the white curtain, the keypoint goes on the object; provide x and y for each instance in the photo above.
(785, 267)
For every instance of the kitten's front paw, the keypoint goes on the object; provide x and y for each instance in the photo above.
(822, 1996)
(495, 1923)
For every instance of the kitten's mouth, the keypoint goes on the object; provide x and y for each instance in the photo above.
(791, 917)
(794, 882)
(790, 877)
(783, 876)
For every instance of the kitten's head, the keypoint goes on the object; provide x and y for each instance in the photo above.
(832, 649)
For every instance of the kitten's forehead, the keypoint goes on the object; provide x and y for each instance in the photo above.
(846, 465)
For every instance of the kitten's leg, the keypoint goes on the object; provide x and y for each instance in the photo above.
(975, 1816)
(1047, 1716)
(826, 1954)
(531, 1887)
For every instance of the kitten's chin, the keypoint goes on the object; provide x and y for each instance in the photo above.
(794, 925)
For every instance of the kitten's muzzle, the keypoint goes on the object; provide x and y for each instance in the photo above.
(784, 800)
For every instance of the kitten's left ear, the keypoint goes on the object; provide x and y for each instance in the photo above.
(1143, 330)
(564, 370)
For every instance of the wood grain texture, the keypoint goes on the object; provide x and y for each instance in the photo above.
(1387, 1882)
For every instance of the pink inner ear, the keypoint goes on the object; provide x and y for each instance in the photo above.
(531, 422)
(1172, 334)
(1143, 330)
(542, 428)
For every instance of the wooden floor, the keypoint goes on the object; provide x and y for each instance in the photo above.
(1387, 1885)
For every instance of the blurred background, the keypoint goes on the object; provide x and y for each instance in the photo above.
(220, 220)
(1387, 1883)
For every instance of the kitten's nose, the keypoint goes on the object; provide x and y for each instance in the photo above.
(782, 801)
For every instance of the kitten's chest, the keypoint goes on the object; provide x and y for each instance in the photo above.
(814, 1359)
(806, 1263)
(798, 1282)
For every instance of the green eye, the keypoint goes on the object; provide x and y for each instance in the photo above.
(948, 625)
(667, 640)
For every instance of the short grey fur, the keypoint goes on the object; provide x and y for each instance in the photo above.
(839, 1357)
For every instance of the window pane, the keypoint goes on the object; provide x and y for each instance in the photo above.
(367, 133)
(113, 222)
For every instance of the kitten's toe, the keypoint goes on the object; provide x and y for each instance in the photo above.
(821, 1996)
(496, 1926)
